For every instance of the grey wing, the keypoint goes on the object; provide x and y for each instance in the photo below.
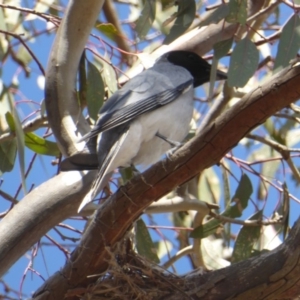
(112, 144)
(142, 102)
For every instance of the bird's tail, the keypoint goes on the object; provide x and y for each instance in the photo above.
(104, 172)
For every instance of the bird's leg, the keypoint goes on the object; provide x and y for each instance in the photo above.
(173, 144)
(135, 170)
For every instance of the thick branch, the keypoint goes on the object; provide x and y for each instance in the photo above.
(273, 275)
(116, 216)
(63, 111)
(39, 211)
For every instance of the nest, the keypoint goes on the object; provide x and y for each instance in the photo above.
(132, 277)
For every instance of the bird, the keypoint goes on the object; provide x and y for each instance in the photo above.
(144, 119)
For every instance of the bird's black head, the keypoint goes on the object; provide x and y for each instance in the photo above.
(196, 65)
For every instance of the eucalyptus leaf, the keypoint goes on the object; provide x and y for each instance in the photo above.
(144, 22)
(234, 210)
(289, 43)
(213, 74)
(8, 153)
(222, 48)
(243, 63)
(209, 186)
(185, 17)
(144, 244)
(24, 56)
(2, 24)
(237, 12)
(16, 127)
(4, 108)
(109, 76)
(108, 30)
(43, 108)
(246, 239)
(82, 82)
(40, 145)
(95, 91)
(285, 210)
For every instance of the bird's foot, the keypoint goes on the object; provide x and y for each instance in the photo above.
(170, 152)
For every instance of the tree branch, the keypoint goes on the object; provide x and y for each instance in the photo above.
(63, 110)
(112, 17)
(29, 126)
(273, 275)
(116, 215)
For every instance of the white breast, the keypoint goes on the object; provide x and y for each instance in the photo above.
(171, 121)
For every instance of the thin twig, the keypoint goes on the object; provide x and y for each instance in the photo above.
(282, 149)
(29, 126)
(27, 48)
(246, 222)
(47, 17)
(8, 197)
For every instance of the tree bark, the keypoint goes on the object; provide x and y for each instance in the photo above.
(270, 276)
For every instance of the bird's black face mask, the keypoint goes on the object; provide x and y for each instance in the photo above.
(196, 65)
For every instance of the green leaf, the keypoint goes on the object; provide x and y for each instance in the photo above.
(246, 239)
(43, 6)
(185, 17)
(144, 22)
(10, 121)
(216, 15)
(285, 210)
(212, 79)
(268, 168)
(241, 197)
(2, 22)
(24, 56)
(40, 145)
(108, 29)
(163, 248)
(8, 153)
(289, 43)
(82, 82)
(226, 191)
(221, 49)
(237, 12)
(205, 230)
(127, 174)
(243, 63)
(144, 244)
(16, 127)
(109, 76)
(238, 203)
(43, 108)
(4, 108)
(209, 187)
(95, 91)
